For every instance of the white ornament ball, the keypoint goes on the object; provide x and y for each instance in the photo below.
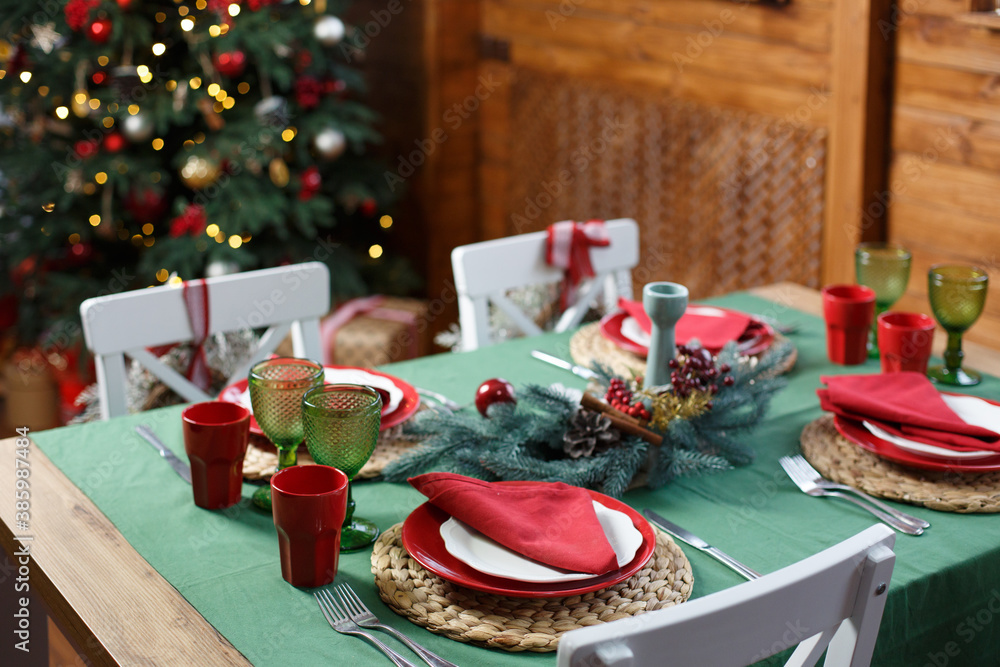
(219, 267)
(330, 143)
(137, 128)
(329, 30)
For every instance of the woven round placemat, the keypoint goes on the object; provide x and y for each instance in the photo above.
(261, 461)
(521, 624)
(842, 461)
(588, 345)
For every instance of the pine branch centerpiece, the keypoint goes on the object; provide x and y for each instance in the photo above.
(618, 435)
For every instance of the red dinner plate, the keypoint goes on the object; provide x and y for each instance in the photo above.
(760, 333)
(407, 406)
(856, 432)
(422, 539)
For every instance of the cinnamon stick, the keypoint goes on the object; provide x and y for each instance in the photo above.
(623, 422)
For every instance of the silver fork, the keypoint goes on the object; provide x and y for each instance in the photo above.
(811, 487)
(812, 474)
(340, 622)
(363, 616)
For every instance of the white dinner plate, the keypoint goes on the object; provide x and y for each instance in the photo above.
(348, 376)
(480, 552)
(970, 409)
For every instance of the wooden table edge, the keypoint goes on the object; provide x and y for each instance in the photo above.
(788, 295)
(76, 583)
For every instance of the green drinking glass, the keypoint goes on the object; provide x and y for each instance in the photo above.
(276, 390)
(342, 425)
(957, 294)
(885, 267)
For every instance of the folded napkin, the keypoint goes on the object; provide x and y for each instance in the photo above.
(550, 522)
(904, 404)
(712, 331)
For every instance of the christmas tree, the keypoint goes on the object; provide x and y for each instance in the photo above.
(148, 142)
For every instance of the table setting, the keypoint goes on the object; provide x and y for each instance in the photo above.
(750, 510)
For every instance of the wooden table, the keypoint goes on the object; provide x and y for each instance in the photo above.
(84, 569)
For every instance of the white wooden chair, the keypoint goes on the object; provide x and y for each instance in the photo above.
(485, 271)
(832, 601)
(289, 298)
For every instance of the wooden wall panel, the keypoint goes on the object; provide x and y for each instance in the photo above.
(945, 162)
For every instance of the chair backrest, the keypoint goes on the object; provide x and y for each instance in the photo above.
(284, 299)
(832, 601)
(485, 271)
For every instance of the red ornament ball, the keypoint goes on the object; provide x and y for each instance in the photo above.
(114, 142)
(125, 4)
(496, 390)
(231, 63)
(369, 207)
(99, 31)
(85, 148)
(146, 205)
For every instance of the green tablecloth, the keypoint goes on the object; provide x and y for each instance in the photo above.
(940, 610)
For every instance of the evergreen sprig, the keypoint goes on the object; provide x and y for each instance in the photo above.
(524, 441)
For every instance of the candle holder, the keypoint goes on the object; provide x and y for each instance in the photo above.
(665, 303)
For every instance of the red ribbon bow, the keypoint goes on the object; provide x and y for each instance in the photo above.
(196, 301)
(567, 247)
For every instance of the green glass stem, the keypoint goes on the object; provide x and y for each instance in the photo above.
(287, 457)
(953, 354)
(349, 517)
(873, 335)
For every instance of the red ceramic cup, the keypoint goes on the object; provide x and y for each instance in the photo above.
(849, 311)
(309, 504)
(215, 439)
(904, 341)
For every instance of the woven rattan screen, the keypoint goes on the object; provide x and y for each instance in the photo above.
(725, 199)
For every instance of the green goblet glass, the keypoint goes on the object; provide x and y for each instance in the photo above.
(276, 390)
(342, 425)
(885, 268)
(957, 294)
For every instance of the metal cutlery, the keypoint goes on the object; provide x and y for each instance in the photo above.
(808, 484)
(812, 474)
(440, 399)
(579, 371)
(179, 466)
(690, 538)
(361, 615)
(340, 622)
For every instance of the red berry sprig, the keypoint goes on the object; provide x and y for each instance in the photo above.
(619, 397)
(698, 372)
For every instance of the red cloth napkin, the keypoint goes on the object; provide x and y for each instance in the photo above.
(711, 331)
(904, 404)
(550, 522)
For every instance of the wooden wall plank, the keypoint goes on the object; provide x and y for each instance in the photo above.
(858, 132)
(971, 94)
(968, 189)
(953, 137)
(939, 40)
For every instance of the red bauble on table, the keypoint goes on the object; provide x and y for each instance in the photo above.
(496, 390)
(231, 63)
(99, 31)
(114, 142)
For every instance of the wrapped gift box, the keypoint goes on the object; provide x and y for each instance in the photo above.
(372, 331)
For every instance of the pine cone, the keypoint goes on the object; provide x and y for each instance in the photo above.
(589, 433)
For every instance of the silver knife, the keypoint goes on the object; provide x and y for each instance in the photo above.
(700, 544)
(580, 371)
(179, 466)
